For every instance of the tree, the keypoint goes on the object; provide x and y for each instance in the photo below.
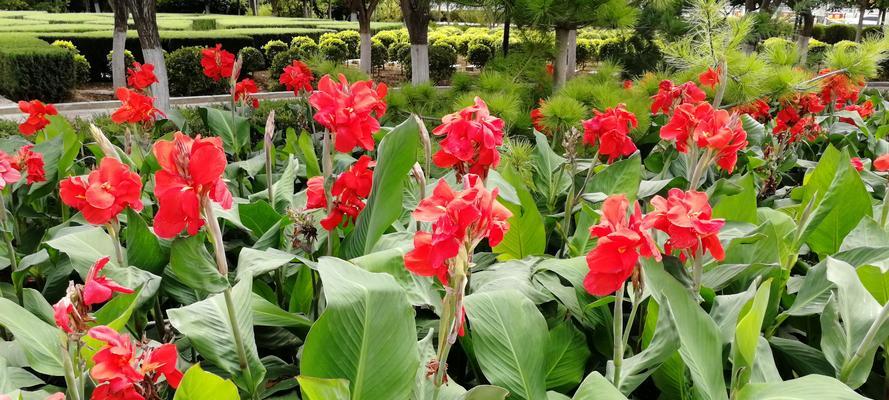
(145, 16)
(416, 18)
(119, 41)
(364, 10)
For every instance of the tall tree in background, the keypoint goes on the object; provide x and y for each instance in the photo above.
(416, 17)
(119, 42)
(145, 16)
(364, 10)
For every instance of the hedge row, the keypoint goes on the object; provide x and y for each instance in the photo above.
(838, 32)
(30, 68)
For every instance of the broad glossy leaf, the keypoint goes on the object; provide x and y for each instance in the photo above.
(526, 235)
(253, 263)
(595, 386)
(424, 388)
(662, 343)
(567, 354)
(84, 245)
(308, 151)
(485, 392)
(622, 177)
(198, 384)
(268, 314)
(747, 334)
(368, 323)
(396, 155)
(41, 342)
(504, 324)
(192, 264)
(876, 281)
(739, 207)
(212, 334)
(144, 249)
(258, 216)
(235, 133)
(806, 388)
(323, 389)
(114, 314)
(801, 357)
(283, 188)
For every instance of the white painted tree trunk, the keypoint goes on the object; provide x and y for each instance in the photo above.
(365, 64)
(802, 43)
(118, 59)
(159, 90)
(419, 63)
(566, 56)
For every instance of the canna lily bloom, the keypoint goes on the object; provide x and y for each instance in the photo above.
(115, 360)
(297, 76)
(244, 91)
(349, 191)
(37, 112)
(864, 110)
(61, 312)
(758, 109)
(628, 84)
(459, 220)
(135, 108)
(839, 89)
(162, 361)
(686, 218)
(116, 389)
(98, 289)
(621, 242)
(857, 164)
(537, 119)
(710, 77)
(104, 193)
(217, 63)
(881, 163)
(141, 76)
(350, 112)
(609, 130)
(31, 162)
(190, 170)
(471, 139)
(9, 174)
(128, 370)
(669, 96)
(707, 128)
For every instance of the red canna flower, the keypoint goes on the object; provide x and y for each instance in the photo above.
(710, 77)
(864, 110)
(104, 193)
(839, 89)
(349, 191)
(135, 108)
(628, 84)
(537, 119)
(37, 112)
(857, 164)
(190, 170)
(217, 63)
(669, 96)
(758, 109)
(9, 172)
(116, 359)
(244, 91)
(471, 139)
(550, 69)
(350, 112)
(61, 312)
(129, 370)
(162, 361)
(621, 242)
(297, 76)
(116, 389)
(98, 289)
(31, 162)
(686, 218)
(141, 76)
(882, 163)
(609, 130)
(707, 128)
(459, 220)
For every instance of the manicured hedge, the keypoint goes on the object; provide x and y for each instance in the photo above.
(32, 69)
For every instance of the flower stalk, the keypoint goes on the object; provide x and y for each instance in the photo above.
(618, 333)
(7, 231)
(327, 173)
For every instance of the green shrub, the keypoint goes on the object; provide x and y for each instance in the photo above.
(306, 46)
(838, 32)
(586, 50)
(253, 60)
(203, 24)
(186, 75)
(67, 45)
(398, 51)
(387, 38)
(818, 32)
(352, 40)
(378, 54)
(442, 58)
(479, 54)
(32, 69)
(334, 49)
(299, 41)
(872, 31)
(81, 69)
(321, 67)
(281, 60)
(273, 47)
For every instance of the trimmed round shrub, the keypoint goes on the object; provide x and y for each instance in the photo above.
(253, 59)
(818, 32)
(81, 69)
(308, 49)
(442, 58)
(387, 38)
(186, 75)
(334, 49)
(397, 51)
(67, 45)
(352, 40)
(299, 41)
(378, 54)
(479, 54)
(586, 51)
(273, 47)
(837, 33)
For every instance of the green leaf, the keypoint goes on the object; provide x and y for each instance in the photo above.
(208, 327)
(323, 389)
(114, 314)
(41, 342)
(396, 155)
(747, 335)
(804, 360)
(755, 130)
(526, 235)
(258, 217)
(267, 314)
(504, 326)
(664, 341)
(192, 264)
(14, 378)
(198, 384)
(739, 207)
(252, 262)
(283, 188)
(806, 388)
(368, 323)
(84, 245)
(622, 177)
(595, 386)
(235, 133)
(308, 151)
(700, 343)
(144, 249)
(485, 392)
(566, 357)
(876, 281)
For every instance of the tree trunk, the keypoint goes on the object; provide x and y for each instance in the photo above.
(254, 7)
(750, 6)
(507, 21)
(364, 32)
(862, 7)
(145, 16)
(416, 18)
(119, 41)
(804, 35)
(566, 56)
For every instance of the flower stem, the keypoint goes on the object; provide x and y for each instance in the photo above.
(267, 143)
(70, 375)
(885, 209)
(452, 316)
(113, 228)
(10, 249)
(618, 328)
(327, 172)
(865, 344)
